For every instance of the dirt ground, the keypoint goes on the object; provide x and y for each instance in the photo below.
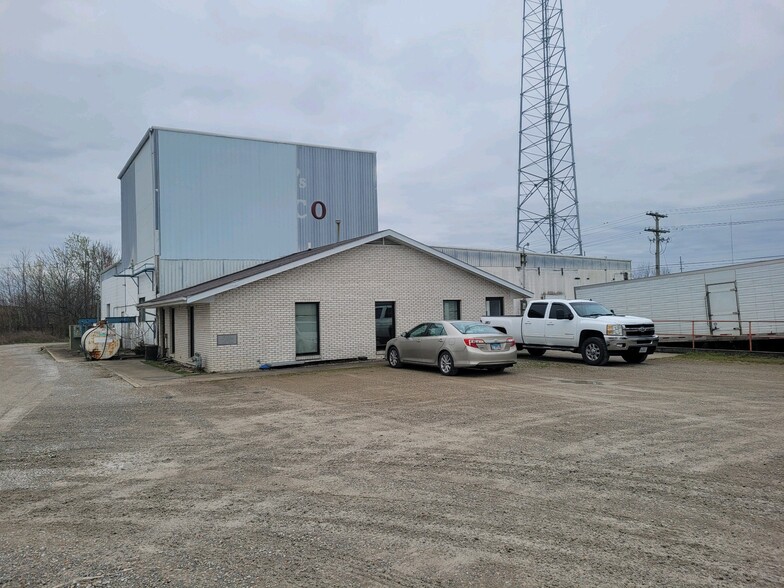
(669, 473)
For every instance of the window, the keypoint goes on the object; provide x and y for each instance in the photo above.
(558, 311)
(451, 310)
(306, 320)
(494, 306)
(537, 310)
(419, 330)
(436, 330)
(385, 323)
(469, 328)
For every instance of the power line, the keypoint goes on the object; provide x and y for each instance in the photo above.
(728, 206)
(727, 223)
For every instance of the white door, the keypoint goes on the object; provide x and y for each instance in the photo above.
(534, 323)
(559, 328)
(723, 312)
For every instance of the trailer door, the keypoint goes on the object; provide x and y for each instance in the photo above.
(723, 312)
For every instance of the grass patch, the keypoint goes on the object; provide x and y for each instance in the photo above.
(29, 337)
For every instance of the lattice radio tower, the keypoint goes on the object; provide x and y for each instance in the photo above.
(546, 187)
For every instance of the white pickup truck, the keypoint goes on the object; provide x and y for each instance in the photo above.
(580, 326)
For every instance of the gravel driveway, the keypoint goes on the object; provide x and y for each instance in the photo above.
(553, 473)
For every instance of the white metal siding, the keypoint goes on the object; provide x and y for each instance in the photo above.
(345, 181)
(226, 198)
(183, 273)
(145, 204)
(683, 296)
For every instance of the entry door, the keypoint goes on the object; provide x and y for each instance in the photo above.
(723, 306)
(385, 323)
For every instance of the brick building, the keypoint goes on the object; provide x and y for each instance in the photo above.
(339, 301)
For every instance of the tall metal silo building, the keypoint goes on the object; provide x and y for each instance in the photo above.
(196, 206)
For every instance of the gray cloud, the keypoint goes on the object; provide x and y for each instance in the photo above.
(668, 112)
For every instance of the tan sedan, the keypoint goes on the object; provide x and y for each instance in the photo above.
(452, 345)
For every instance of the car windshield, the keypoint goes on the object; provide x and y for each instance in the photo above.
(469, 328)
(590, 309)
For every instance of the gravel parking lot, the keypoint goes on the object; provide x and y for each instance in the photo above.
(552, 473)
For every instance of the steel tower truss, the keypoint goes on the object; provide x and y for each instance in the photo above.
(547, 188)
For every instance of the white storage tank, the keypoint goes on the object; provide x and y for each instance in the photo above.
(100, 342)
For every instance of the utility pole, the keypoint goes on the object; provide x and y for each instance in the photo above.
(657, 216)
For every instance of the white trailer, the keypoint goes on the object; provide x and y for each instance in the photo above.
(745, 300)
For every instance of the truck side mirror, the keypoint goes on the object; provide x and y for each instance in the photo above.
(570, 316)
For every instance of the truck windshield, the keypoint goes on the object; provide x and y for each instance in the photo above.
(590, 309)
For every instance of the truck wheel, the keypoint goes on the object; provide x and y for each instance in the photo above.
(634, 356)
(594, 351)
(446, 364)
(536, 352)
(393, 357)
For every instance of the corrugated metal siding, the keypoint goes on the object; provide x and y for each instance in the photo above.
(683, 296)
(494, 258)
(128, 215)
(145, 204)
(183, 273)
(546, 275)
(345, 181)
(226, 198)
(761, 296)
(482, 258)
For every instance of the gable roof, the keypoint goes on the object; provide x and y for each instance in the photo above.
(255, 273)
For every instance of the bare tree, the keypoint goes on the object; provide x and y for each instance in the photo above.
(51, 290)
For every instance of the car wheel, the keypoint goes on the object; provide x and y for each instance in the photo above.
(594, 351)
(634, 356)
(446, 364)
(536, 352)
(393, 357)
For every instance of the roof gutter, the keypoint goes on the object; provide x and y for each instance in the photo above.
(162, 303)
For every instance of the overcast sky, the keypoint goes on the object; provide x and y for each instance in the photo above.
(676, 105)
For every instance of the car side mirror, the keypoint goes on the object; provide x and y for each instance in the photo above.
(404, 334)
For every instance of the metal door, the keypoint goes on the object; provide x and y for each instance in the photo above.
(432, 343)
(723, 307)
(559, 329)
(533, 324)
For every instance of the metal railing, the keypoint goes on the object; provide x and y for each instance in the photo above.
(682, 330)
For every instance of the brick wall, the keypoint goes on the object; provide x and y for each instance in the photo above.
(346, 286)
